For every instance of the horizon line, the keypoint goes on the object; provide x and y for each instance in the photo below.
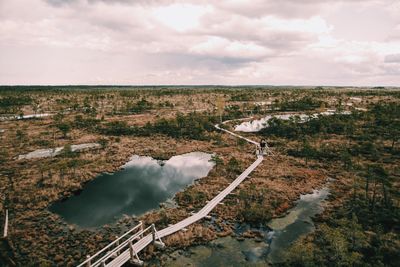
(199, 85)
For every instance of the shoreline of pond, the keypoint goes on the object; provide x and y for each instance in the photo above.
(255, 244)
(140, 174)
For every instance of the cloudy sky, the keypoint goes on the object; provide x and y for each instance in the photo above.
(232, 42)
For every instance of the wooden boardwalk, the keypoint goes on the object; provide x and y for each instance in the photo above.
(238, 136)
(128, 250)
(145, 241)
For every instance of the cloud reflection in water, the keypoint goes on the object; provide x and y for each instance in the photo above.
(141, 186)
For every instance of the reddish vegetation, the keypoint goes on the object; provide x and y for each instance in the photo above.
(40, 237)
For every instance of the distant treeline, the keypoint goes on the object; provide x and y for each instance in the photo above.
(381, 121)
(192, 126)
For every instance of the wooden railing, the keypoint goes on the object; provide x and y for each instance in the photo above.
(123, 243)
(101, 256)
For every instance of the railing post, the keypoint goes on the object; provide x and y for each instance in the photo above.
(141, 229)
(134, 257)
(103, 263)
(88, 264)
(153, 232)
(132, 254)
(6, 225)
(117, 245)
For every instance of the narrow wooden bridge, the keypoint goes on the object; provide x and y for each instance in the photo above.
(127, 247)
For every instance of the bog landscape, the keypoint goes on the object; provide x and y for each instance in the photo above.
(200, 133)
(81, 166)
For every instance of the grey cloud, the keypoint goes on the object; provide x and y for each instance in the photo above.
(60, 2)
(394, 58)
(251, 9)
(224, 61)
(392, 70)
(252, 30)
(286, 9)
(188, 60)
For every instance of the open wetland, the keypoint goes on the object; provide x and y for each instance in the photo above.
(70, 184)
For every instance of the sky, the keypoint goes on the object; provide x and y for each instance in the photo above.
(198, 42)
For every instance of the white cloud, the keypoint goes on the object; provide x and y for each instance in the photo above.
(221, 48)
(315, 25)
(180, 17)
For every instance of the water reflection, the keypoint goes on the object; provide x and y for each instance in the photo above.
(226, 251)
(229, 251)
(257, 125)
(298, 222)
(141, 186)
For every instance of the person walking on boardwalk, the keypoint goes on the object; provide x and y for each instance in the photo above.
(263, 144)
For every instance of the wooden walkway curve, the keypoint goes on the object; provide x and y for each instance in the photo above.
(131, 250)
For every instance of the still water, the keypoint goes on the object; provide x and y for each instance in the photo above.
(257, 125)
(140, 186)
(229, 251)
(288, 229)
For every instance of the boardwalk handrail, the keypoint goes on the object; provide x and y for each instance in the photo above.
(88, 260)
(234, 134)
(117, 249)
